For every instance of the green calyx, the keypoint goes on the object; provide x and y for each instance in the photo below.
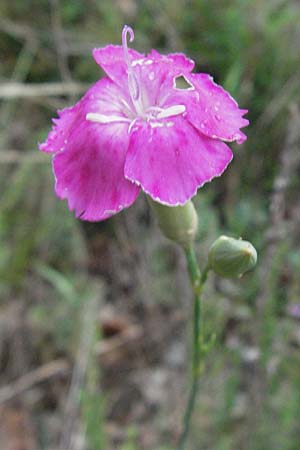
(178, 223)
(230, 258)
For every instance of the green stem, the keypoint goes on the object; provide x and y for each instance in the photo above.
(193, 268)
(197, 279)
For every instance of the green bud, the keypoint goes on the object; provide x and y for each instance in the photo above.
(178, 223)
(230, 257)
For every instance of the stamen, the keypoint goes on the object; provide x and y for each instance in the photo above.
(102, 118)
(154, 109)
(171, 111)
(133, 122)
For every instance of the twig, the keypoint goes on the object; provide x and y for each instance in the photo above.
(75, 44)
(60, 45)
(20, 156)
(279, 101)
(166, 25)
(18, 31)
(30, 380)
(20, 72)
(59, 40)
(22, 90)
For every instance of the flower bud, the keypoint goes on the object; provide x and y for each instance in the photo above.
(230, 257)
(178, 223)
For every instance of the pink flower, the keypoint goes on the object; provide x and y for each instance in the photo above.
(136, 129)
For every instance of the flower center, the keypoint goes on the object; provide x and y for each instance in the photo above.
(141, 111)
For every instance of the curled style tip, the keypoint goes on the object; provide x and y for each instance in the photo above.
(127, 31)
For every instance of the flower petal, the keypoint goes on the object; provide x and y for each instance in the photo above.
(57, 137)
(210, 108)
(104, 97)
(155, 71)
(150, 71)
(111, 60)
(89, 159)
(90, 172)
(173, 60)
(170, 159)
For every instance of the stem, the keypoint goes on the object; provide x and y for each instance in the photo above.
(193, 268)
(195, 376)
(197, 279)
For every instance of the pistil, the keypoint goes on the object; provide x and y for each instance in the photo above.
(133, 85)
(141, 111)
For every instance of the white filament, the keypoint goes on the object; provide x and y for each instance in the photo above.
(102, 118)
(174, 110)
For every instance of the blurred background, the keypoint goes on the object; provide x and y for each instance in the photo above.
(94, 317)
